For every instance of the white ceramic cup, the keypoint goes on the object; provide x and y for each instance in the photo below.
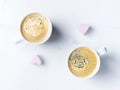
(100, 52)
(48, 34)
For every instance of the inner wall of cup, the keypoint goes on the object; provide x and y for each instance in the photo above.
(97, 66)
(50, 29)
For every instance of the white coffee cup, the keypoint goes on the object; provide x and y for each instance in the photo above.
(46, 38)
(100, 52)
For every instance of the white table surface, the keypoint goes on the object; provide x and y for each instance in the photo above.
(16, 70)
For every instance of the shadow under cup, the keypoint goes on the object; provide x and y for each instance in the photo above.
(84, 62)
(32, 24)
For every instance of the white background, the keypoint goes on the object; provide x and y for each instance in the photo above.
(16, 70)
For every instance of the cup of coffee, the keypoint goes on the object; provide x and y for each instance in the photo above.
(36, 28)
(84, 62)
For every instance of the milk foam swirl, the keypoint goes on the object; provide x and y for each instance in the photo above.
(79, 61)
(34, 26)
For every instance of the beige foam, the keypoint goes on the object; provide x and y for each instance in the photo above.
(34, 27)
(82, 62)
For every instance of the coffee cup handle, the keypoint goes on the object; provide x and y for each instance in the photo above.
(19, 41)
(102, 51)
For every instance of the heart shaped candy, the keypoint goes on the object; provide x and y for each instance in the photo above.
(84, 28)
(37, 60)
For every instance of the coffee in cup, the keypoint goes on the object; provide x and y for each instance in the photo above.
(84, 62)
(36, 28)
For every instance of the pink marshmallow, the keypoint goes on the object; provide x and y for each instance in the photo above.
(84, 28)
(37, 60)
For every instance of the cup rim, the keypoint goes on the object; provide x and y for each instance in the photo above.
(49, 31)
(94, 71)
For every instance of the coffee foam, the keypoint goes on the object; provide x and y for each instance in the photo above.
(82, 62)
(34, 27)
